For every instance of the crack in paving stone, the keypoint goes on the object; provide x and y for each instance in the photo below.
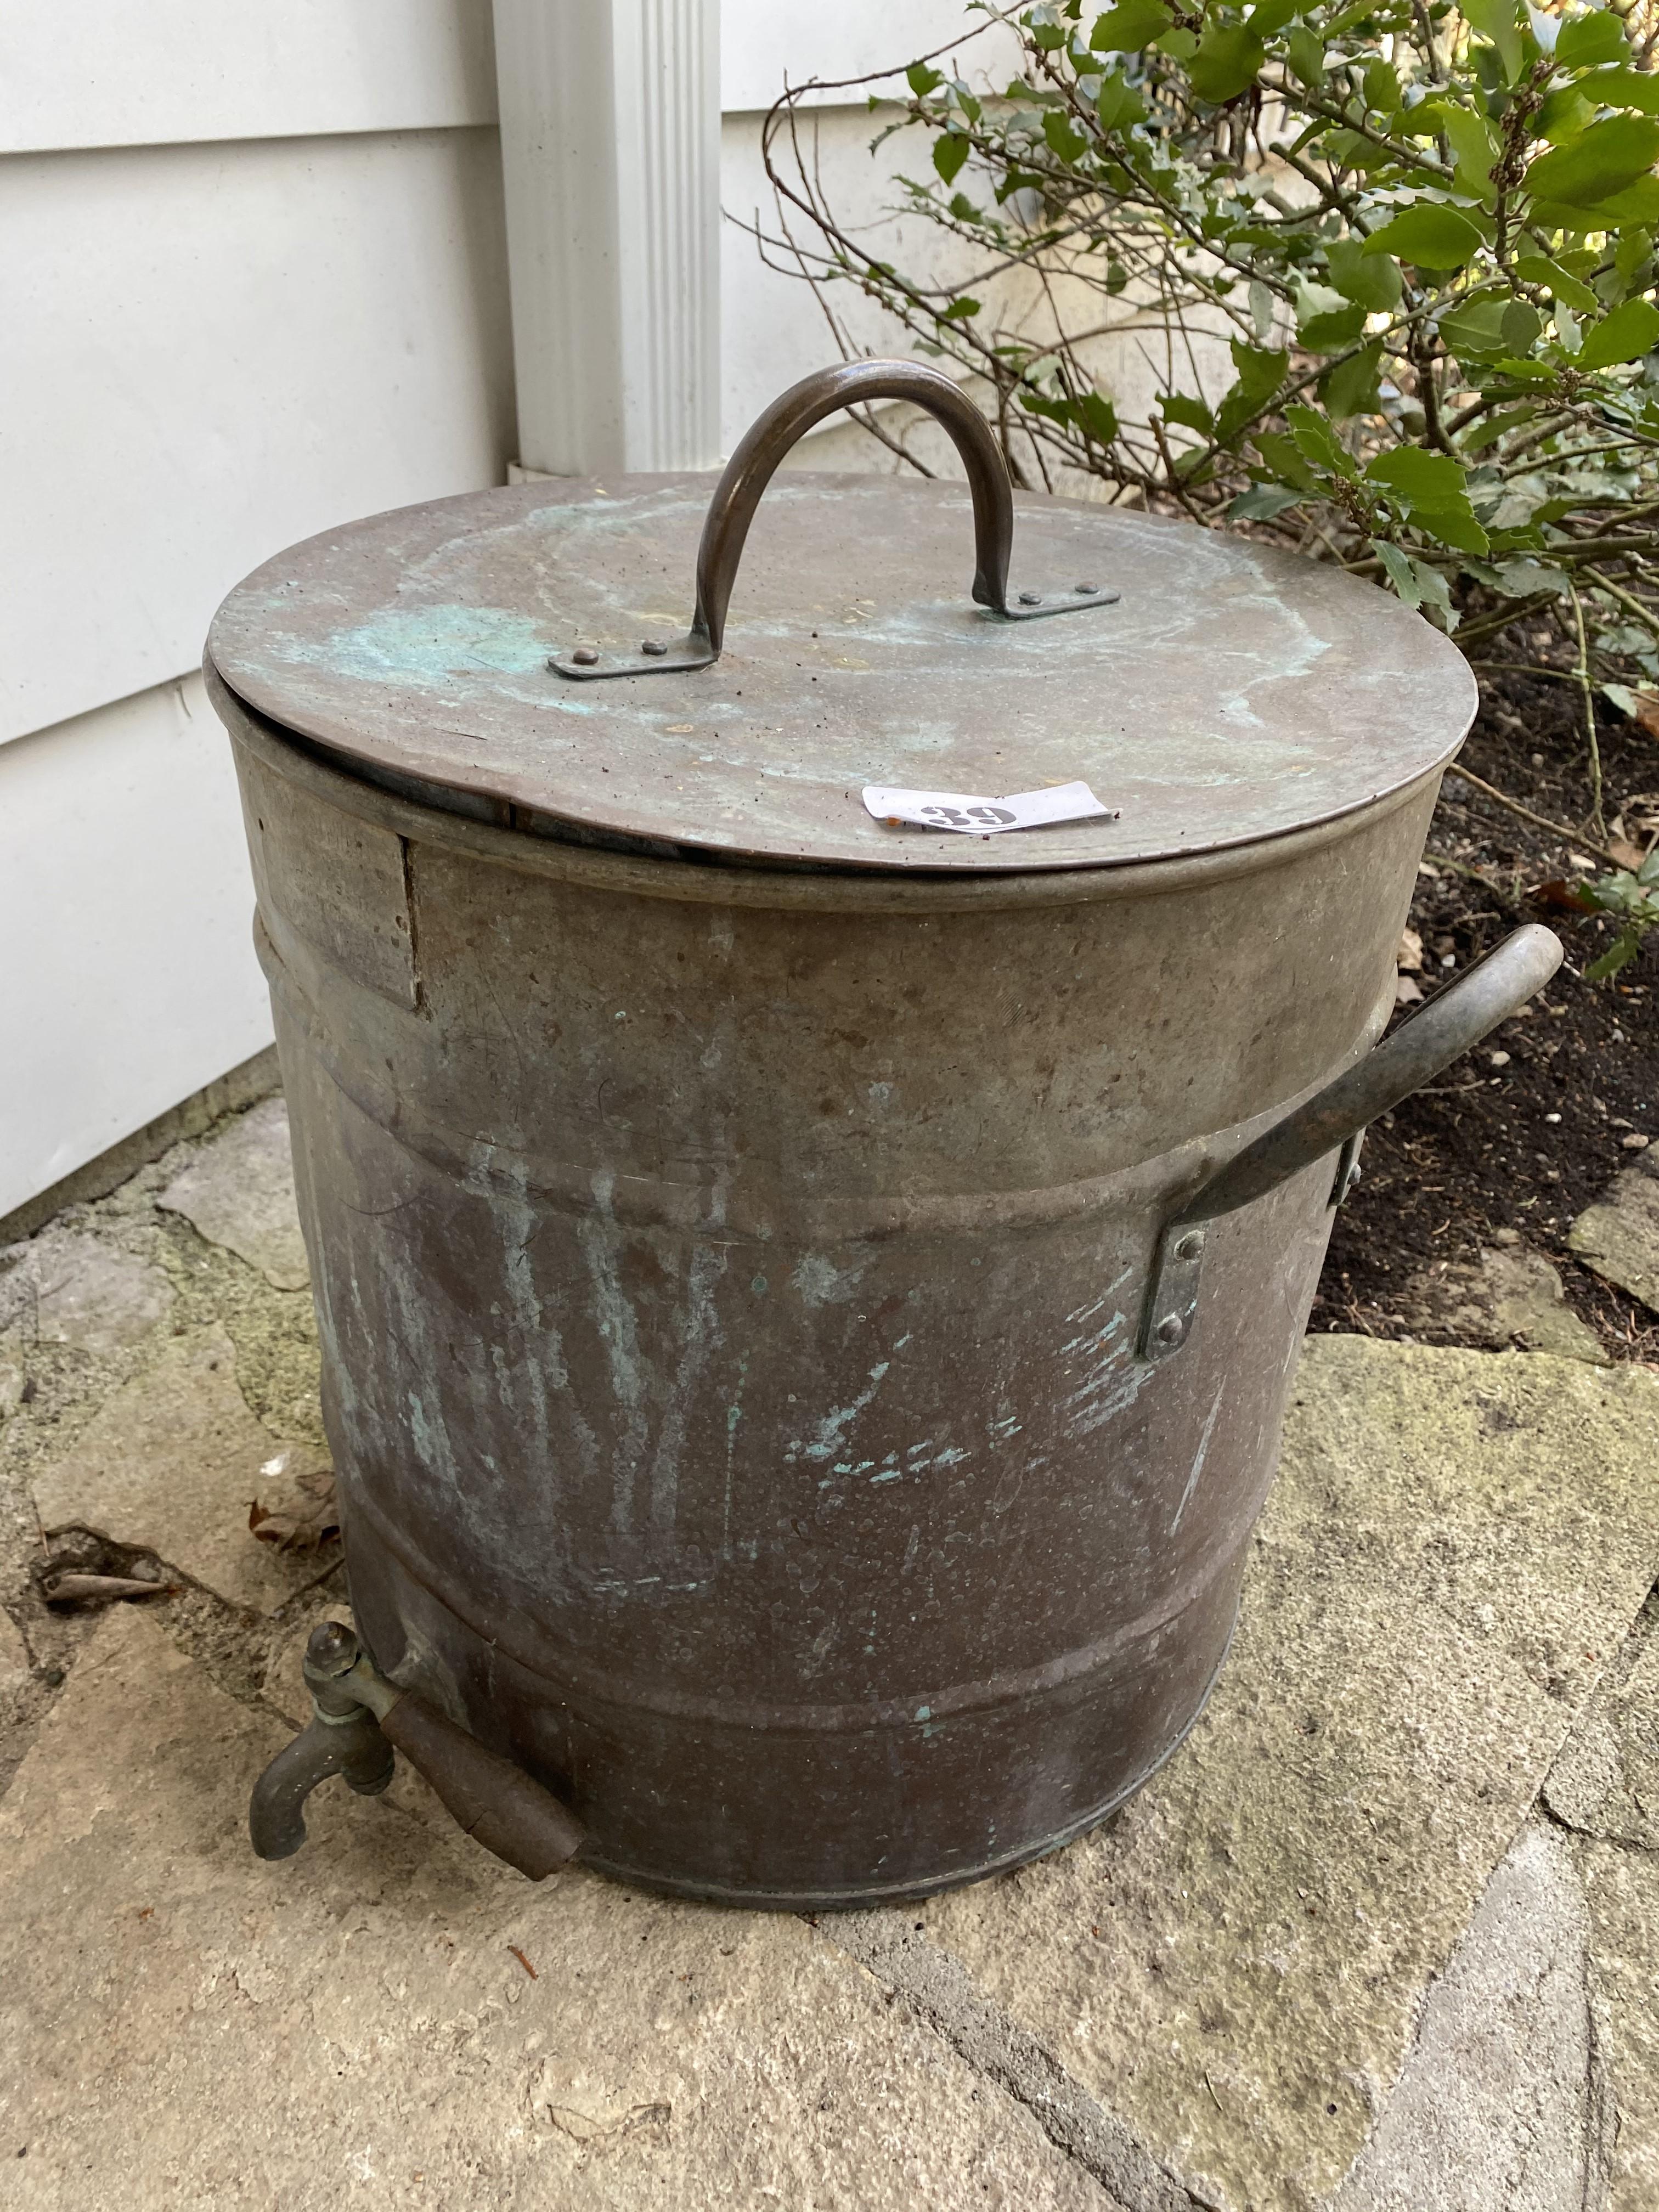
(1601, 1782)
(940, 1988)
(1600, 2104)
(352, 2029)
(1504, 2103)
(237, 1191)
(1568, 1826)
(172, 1462)
(1600, 1802)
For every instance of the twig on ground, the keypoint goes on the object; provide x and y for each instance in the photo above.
(99, 1590)
(1530, 668)
(1587, 688)
(1510, 904)
(1541, 821)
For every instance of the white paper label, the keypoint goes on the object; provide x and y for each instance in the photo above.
(976, 816)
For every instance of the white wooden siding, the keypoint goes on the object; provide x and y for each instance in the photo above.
(763, 41)
(147, 72)
(254, 280)
(127, 976)
(210, 351)
(111, 73)
(254, 283)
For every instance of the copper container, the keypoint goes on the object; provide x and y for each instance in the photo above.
(807, 1306)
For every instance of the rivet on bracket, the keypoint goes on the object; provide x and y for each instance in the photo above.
(1348, 1169)
(1171, 1303)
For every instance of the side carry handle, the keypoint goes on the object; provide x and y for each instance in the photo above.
(1334, 1120)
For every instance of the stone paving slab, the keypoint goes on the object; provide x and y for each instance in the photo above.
(1455, 1546)
(1506, 2104)
(1619, 1235)
(1605, 1782)
(1603, 1792)
(172, 1462)
(239, 1192)
(180, 2024)
(1621, 1887)
(66, 1286)
(13, 1664)
(1508, 1297)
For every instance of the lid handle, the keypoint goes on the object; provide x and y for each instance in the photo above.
(751, 467)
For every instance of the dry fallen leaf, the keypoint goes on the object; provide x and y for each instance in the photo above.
(1558, 893)
(1409, 958)
(302, 1513)
(1406, 993)
(1627, 855)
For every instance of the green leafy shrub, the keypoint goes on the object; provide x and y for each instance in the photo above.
(1631, 895)
(1418, 241)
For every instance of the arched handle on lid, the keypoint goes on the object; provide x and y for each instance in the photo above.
(751, 468)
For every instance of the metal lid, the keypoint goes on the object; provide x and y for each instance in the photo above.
(1232, 692)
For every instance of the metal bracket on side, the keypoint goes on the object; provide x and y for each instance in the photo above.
(1167, 1317)
(652, 656)
(1348, 1169)
(1166, 1320)
(659, 656)
(1068, 599)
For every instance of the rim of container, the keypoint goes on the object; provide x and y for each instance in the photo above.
(689, 879)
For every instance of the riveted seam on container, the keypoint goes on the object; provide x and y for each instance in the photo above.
(341, 882)
(411, 909)
(831, 1900)
(1138, 1191)
(594, 1684)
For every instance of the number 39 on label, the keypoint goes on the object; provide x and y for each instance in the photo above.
(982, 816)
(975, 815)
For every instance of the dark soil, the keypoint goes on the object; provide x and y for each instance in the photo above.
(1528, 1144)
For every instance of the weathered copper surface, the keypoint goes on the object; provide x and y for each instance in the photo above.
(727, 1283)
(740, 1230)
(1234, 692)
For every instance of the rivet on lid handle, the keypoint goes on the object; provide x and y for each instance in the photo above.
(751, 469)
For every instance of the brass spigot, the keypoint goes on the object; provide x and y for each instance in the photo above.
(357, 1718)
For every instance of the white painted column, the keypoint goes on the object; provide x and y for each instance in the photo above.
(610, 141)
